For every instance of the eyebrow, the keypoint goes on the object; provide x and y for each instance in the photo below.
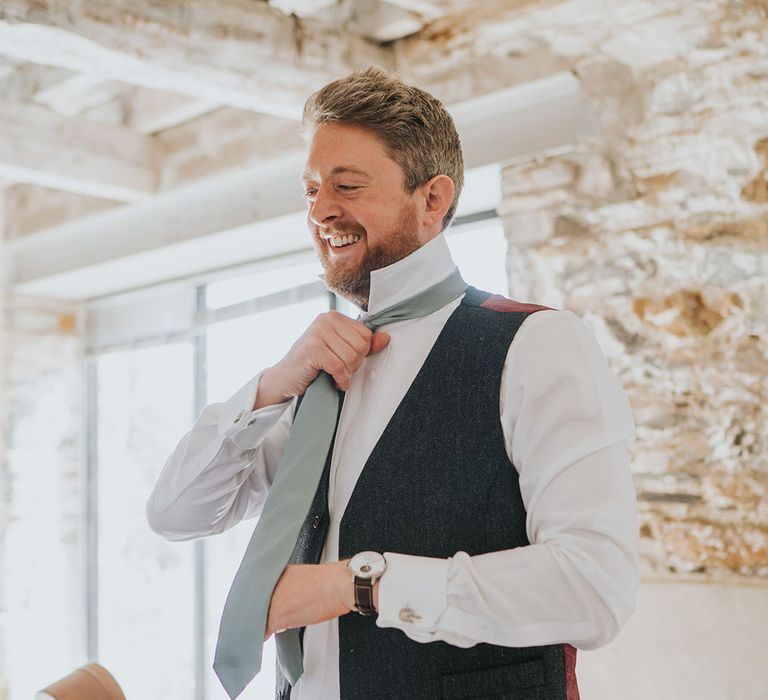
(339, 169)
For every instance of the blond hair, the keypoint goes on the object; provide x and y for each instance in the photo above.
(413, 125)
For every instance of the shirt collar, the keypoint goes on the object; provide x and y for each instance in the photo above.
(416, 272)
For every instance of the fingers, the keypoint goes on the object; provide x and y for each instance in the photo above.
(333, 343)
(379, 341)
(348, 343)
(350, 350)
(355, 335)
(336, 367)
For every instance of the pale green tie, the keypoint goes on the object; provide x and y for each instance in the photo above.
(244, 620)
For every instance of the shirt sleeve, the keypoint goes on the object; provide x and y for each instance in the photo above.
(221, 470)
(567, 424)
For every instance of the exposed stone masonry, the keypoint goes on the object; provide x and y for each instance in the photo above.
(655, 231)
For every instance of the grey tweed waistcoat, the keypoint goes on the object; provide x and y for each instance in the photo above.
(437, 482)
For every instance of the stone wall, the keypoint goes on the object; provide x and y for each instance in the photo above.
(655, 230)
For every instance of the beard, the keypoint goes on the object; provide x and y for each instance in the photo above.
(353, 282)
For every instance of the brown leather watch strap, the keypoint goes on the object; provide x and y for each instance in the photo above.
(364, 596)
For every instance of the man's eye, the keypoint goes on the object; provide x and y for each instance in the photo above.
(348, 188)
(310, 193)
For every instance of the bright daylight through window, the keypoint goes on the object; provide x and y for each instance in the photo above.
(156, 613)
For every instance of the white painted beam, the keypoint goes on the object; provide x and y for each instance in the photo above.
(528, 118)
(222, 141)
(20, 83)
(244, 54)
(41, 147)
(30, 208)
(79, 92)
(382, 21)
(257, 213)
(428, 9)
(184, 231)
(151, 111)
(302, 8)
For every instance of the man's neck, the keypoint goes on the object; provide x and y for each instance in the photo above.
(424, 267)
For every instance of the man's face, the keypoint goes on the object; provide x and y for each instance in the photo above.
(360, 216)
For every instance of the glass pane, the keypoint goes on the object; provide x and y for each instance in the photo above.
(481, 255)
(145, 584)
(240, 348)
(42, 623)
(258, 284)
(237, 350)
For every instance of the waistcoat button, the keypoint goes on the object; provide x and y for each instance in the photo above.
(316, 522)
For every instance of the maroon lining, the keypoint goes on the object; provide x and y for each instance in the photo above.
(496, 302)
(571, 686)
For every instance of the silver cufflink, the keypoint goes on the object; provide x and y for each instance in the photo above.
(408, 615)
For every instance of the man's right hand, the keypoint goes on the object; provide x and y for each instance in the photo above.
(334, 343)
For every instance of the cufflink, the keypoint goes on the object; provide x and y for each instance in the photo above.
(408, 615)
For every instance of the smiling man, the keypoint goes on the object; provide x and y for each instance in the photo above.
(473, 521)
(366, 210)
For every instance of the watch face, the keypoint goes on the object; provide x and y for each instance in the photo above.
(368, 565)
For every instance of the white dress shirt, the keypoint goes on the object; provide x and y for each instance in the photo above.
(566, 423)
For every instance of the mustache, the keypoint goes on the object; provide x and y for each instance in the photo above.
(343, 230)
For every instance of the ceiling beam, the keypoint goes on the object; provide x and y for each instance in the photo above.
(257, 212)
(430, 10)
(30, 208)
(252, 56)
(41, 147)
(47, 151)
(220, 142)
(20, 83)
(149, 111)
(244, 54)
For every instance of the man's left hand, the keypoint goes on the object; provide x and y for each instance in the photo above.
(310, 593)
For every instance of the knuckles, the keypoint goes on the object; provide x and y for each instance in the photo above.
(335, 366)
(314, 351)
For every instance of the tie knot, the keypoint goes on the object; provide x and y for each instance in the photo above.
(422, 304)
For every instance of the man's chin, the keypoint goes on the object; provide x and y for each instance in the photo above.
(353, 285)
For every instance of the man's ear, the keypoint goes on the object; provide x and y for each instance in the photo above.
(438, 197)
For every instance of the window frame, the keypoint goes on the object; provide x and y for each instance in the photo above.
(192, 293)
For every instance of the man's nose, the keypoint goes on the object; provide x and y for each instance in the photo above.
(325, 208)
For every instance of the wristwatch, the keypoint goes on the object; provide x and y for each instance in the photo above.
(366, 568)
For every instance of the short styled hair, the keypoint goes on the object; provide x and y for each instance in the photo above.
(414, 126)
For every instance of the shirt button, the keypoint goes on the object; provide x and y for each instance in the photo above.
(251, 422)
(239, 416)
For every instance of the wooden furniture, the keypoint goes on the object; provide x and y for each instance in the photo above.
(89, 682)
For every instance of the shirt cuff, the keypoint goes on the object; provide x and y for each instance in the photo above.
(244, 426)
(413, 594)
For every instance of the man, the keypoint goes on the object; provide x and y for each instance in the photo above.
(480, 457)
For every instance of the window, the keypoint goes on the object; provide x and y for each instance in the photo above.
(236, 351)
(480, 251)
(145, 584)
(158, 604)
(156, 361)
